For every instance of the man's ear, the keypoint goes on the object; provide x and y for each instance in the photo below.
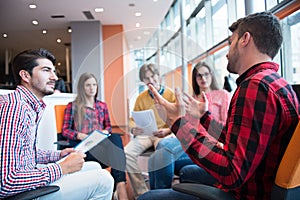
(245, 39)
(25, 76)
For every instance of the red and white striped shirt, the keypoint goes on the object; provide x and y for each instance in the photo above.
(20, 114)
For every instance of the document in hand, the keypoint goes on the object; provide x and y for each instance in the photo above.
(91, 140)
(94, 138)
(146, 120)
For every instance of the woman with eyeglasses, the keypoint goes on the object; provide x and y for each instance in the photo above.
(169, 157)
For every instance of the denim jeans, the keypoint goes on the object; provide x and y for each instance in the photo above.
(195, 174)
(166, 161)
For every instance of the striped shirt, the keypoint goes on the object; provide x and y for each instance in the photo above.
(21, 112)
(262, 117)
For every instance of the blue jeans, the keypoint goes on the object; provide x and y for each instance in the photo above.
(166, 161)
(195, 174)
(166, 194)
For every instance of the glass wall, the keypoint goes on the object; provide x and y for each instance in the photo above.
(291, 48)
(205, 35)
(219, 20)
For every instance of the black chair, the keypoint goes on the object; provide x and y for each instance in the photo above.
(205, 192)
(35, 193)
(286, 186)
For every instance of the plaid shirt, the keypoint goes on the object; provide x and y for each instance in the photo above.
(21, 112)
(96, 118)
(262, 117)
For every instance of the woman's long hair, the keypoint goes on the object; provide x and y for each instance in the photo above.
(80, 100)
(196, 88)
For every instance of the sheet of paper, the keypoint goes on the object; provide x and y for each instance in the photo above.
(89, 142)
(146, 120)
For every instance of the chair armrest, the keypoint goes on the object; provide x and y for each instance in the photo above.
(204, 191)
(37, 192)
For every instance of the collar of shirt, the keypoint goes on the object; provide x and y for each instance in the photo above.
(30, 98)
(256, 68)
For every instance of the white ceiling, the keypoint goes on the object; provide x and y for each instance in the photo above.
(16, 17)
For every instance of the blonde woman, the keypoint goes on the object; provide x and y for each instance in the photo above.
(86, 114)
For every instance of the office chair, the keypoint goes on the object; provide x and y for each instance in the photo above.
(62, 142)
(35, 193)
(286, 186)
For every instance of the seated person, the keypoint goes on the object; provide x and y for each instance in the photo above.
(21, 112)
(149, 74)
(169, 156)
(59, 85)
(264, 112)
(86, 114)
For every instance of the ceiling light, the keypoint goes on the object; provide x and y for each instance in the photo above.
(137, 25)
(32, 6)
(138, 14)
(69, 30)
(57, 16)
(155, 0)
(99, 9)
(146, 33)
(4, 35)
(35, 22)
(138, 37)
(59, 64)
(58, 40)
(44, 31)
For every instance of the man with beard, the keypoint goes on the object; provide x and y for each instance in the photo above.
(262, 116)
(21, 112)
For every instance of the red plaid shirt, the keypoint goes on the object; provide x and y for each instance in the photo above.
(96, 118)
(262, 117)
(21, 112)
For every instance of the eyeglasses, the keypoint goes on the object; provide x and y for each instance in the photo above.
(205, 75)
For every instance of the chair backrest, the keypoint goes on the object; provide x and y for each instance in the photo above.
(34, 193)
(62, 142)
(287, 182)
(59, 117)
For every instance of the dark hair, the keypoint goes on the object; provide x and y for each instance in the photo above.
(26, 60)
(196, 88)
(148, 67)
(265, 30)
